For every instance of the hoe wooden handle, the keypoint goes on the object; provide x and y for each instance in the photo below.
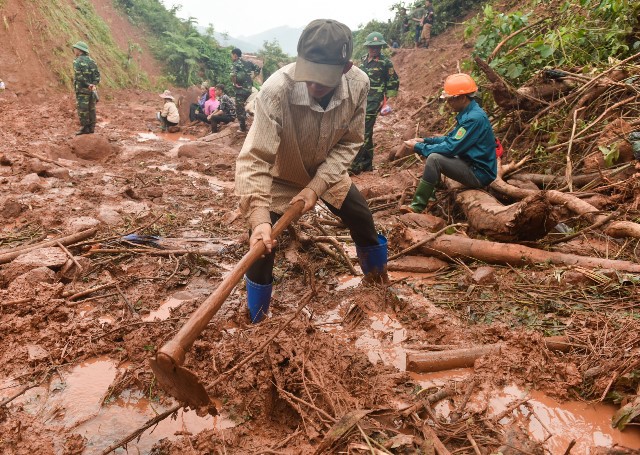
(174, 351)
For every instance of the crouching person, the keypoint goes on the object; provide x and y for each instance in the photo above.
(169, 115)
(308, 127)
(467, 154)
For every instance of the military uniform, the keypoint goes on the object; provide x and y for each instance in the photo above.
(384, 81)
(241, 75)
(85, 74)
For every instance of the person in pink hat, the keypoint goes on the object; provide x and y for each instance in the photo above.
(169, 115)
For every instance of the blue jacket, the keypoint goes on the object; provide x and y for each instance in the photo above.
(472, 140)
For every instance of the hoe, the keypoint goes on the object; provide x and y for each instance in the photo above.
(173, 378)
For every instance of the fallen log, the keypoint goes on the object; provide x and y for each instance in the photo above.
(530, 219)
(505, 95)
(68, 240)
(454, 246)
(615, 229)
(417, 264)
(545, 180)
(428, 362)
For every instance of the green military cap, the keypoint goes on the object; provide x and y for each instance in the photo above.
(375, 39)
(81, 45)
(324, 48)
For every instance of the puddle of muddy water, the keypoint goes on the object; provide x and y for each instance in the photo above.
(214, 183)
(588, 424)
(171, 137)
(164, 311)
(72, 403)
(382, 342)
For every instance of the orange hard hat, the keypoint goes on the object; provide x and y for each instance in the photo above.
(459, 84)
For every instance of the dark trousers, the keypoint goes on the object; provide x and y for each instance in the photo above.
(364, 159)
(241, 100)
(452, 167)
(354, 213)
(215, 119)
(166, 123)
(200, 116)
(193, 110)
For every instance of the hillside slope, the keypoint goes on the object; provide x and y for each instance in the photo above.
(36, 44)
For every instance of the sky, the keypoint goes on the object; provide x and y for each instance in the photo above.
(249, 17)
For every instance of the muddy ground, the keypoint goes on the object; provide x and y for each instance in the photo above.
(79, 359)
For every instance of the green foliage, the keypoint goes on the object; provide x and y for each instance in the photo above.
(273, 58)
(189, 56)
(577, 33)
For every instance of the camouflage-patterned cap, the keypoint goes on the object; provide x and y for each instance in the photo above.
(324, 48)
(81, 45)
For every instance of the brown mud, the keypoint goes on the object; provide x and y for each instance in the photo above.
(84, 357)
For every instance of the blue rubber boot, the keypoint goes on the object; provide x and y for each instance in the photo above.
(373, 261)
(258, 300)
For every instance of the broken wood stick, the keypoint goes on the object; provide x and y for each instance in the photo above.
(67, 240)
(151, 251)
(455, 246)
(429, 434)
(156, 420)
(429, 362)
(424, 241)
(86, 292)
(417, 264)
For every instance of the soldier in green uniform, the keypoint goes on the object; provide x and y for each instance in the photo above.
(384, 82)
(85, 79)
(242, 78)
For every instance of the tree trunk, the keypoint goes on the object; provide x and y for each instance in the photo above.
(455, 246)
(428, 362)
(615, 229)
(505, 95)
(530, 219)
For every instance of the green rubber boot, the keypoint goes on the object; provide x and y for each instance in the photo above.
(420, 199)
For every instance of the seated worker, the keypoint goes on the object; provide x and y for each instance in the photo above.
(308, 126)
(169, 115)
(226, 111)
(196, 110)
(467, 154)
(211, 105)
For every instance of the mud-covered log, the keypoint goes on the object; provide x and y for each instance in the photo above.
(547, 90)
(530, 219)
(544, 180)
(615, 229)
(455, 246)
(505, 95)
(428, 362)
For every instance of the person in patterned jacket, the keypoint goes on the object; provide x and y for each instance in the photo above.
(384, 83)
(242, 74)
(225, 113)
(86, 77)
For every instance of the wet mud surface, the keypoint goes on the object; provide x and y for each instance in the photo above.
(76, 334)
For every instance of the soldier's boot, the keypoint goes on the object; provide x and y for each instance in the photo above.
(373, 261)
(91, 128)
(420, 200)
(83, 130)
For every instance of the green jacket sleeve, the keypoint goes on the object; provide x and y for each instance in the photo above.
(393, 83)
(461, 139)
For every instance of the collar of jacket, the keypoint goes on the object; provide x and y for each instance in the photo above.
(472, 105)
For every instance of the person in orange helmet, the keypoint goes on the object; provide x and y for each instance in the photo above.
(467, 154)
